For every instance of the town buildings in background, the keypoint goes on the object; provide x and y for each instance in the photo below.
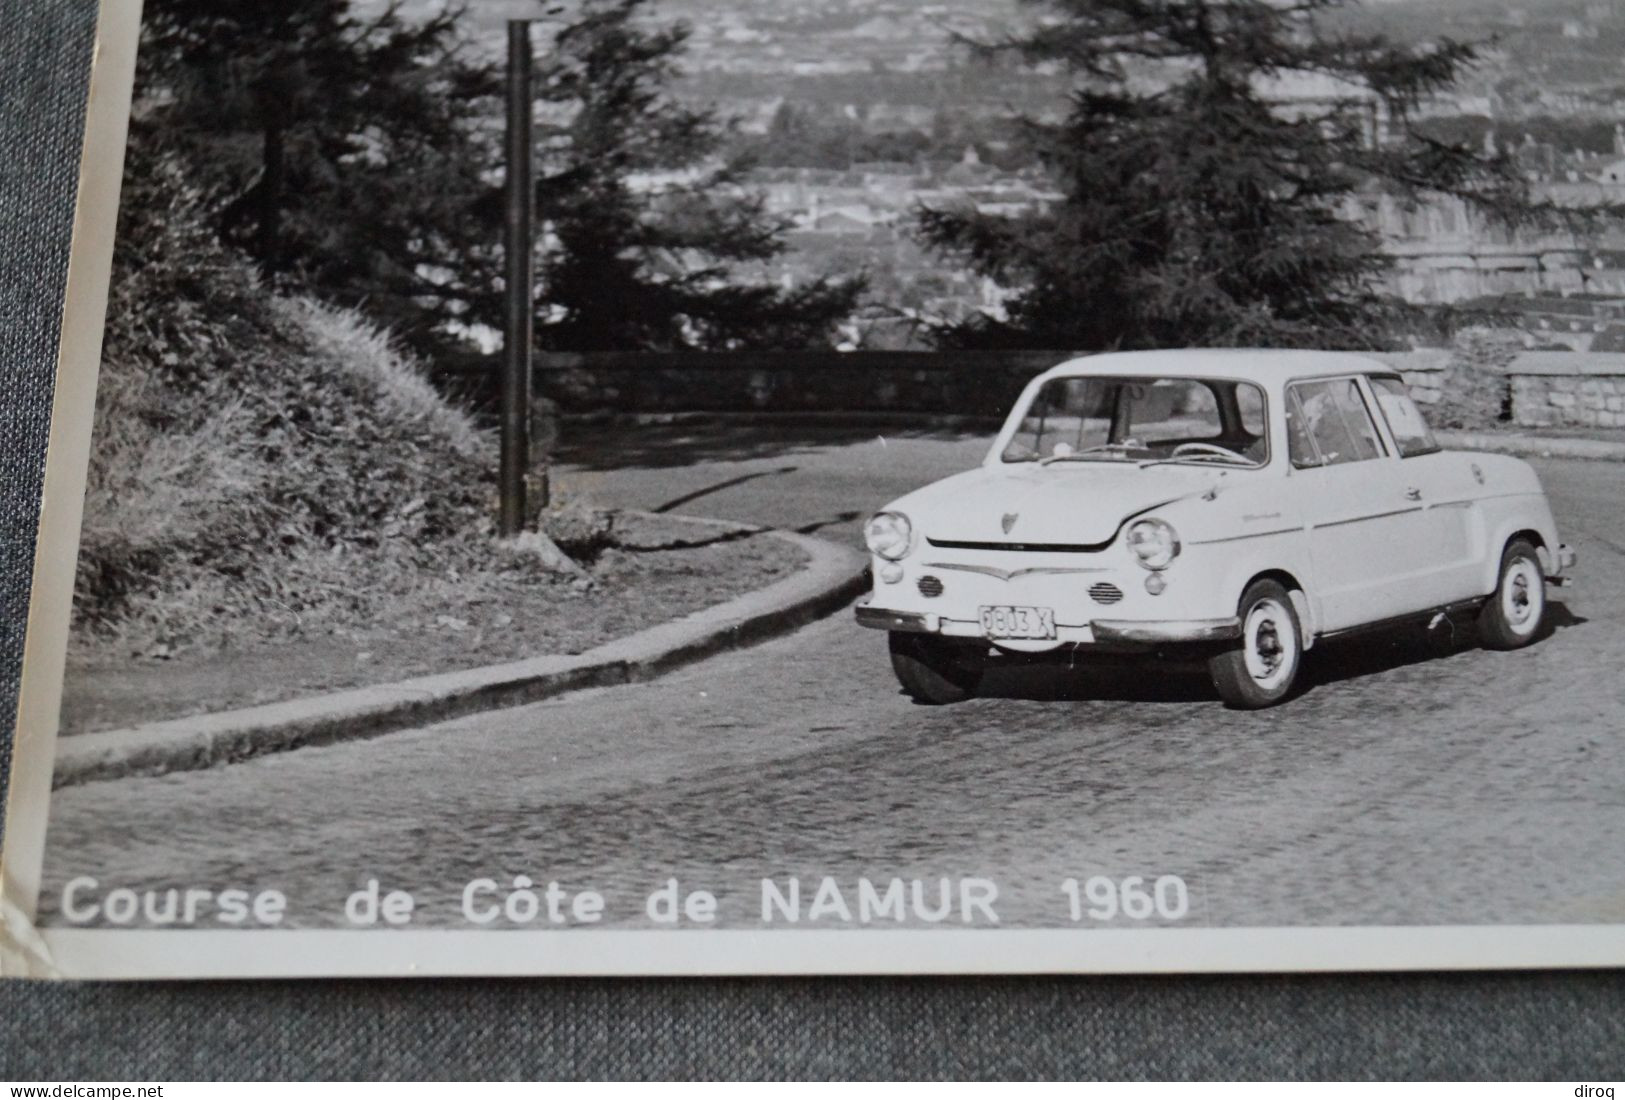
(858, 112)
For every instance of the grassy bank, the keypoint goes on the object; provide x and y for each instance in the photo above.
(268, 469)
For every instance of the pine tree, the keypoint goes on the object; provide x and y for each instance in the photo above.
(632, 263)
(350, 153)
(355, 152)
(1203, 203)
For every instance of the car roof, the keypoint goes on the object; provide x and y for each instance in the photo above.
(1271, 366)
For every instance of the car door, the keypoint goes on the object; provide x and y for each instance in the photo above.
(1361, 521)
(1450, 492)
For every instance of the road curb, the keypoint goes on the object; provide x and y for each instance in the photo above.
(1534, 446)
(833, 576)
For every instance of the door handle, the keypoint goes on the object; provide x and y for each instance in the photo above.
(1413, 494)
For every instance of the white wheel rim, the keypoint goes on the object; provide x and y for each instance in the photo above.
(1270, 644)
(1523, 596)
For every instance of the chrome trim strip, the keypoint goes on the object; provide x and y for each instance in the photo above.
(1248, 535)
(1363, 519)
(1027, 547)
(1167, 630)
(1011, 574)
(1053, 547)
(1455, 503)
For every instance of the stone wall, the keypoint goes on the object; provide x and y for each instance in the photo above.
(980, 385)
(1423, 372)
(1546, 389)
(1541, 389)
(977, 384)
(1568, 390)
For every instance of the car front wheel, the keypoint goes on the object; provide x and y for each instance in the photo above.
(932, 671)
(1260, 670)
(1512, 616)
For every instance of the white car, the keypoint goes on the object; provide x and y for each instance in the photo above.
(1248, 503)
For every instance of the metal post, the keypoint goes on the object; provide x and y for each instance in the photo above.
(519, 247)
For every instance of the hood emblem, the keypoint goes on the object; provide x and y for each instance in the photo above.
(1478, 473)
(1008, 520)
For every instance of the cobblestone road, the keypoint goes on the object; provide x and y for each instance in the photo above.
(1409, 784)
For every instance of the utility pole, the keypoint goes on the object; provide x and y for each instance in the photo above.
(519, 248)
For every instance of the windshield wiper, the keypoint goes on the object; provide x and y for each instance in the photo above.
(1228, 460)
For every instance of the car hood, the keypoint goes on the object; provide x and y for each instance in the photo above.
(1069, 503)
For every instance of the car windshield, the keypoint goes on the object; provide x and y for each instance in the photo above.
(1200, 421)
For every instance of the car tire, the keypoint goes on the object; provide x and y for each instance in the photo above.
(930, 670)
(1515, 612)
(1260, 669)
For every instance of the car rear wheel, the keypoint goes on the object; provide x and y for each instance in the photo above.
(1260, 669)
(932, 671)
(1512, 616)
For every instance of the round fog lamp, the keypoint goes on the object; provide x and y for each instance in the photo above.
(1155, 583)
(891, 572)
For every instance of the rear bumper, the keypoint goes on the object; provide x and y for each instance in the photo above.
(1153, 632)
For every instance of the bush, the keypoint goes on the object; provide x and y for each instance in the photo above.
(260, 461)
(1474, 390)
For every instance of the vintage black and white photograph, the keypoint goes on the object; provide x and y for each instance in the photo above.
(992, 485)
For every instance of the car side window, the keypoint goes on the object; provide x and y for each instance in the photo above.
(1250, 403)
(1328, 424)
(1410, 429)
(1298, 445)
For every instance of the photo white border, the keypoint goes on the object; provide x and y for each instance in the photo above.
(95, 953)
(86, 953)
(67, 457)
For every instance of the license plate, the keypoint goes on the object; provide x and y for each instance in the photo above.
(1018, 622)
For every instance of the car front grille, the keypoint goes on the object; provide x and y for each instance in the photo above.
(930, 587)
(1105, 593)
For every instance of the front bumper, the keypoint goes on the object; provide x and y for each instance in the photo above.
(1167, 630)
(904, 622)
(1556, 566)
(1150, 632)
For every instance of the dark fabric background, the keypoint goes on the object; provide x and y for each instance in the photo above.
(1566, 1026)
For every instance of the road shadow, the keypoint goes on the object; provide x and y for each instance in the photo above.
(697, 494)
(839, 519)
(836, 520)
(616, 444)
(1351, 658)
(1147, 679)
(1154, 678)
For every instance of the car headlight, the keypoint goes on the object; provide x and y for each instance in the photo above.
(889, 534)
(1154, 542)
